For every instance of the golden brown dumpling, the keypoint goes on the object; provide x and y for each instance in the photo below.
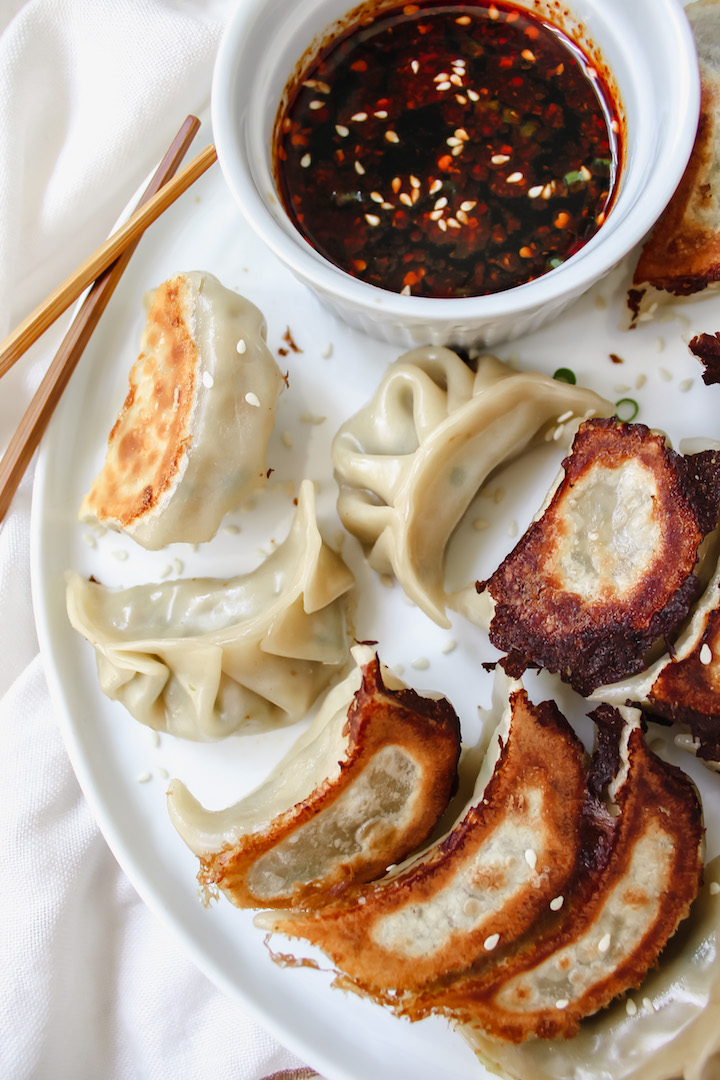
(360, 789)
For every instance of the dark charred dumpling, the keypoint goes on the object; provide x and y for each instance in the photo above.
(640, 870)
(363, 787)
(608, 568)
(189, 443)
(684, 686)
(509, 854)
(682, 254)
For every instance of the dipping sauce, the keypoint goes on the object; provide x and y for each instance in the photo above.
(448, 149)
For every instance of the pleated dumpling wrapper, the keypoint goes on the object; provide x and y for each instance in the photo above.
(190, 442)
(203, 658)
(610, 565)
(363, 786)
(509, 854)
(409, 463)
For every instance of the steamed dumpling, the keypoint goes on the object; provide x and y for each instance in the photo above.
(410, 462)
(204, 657)
(363, 786)
(190, 441)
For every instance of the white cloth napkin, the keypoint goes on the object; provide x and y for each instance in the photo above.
(94, 987)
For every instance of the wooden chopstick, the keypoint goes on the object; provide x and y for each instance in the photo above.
(29, 432)
(15, 344)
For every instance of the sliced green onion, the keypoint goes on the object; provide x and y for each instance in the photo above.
(626, 409)
(564, 374)
(574, 177)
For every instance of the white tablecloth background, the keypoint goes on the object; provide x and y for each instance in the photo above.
(93, 986)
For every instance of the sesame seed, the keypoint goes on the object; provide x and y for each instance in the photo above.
(493, 12)
(444, 85)
(381, 114)
(480, 524)
(453, 223)
(441, 77)
(714, 888)
(317, 104)
(392, 136)
(405, 291)
(457, 150)
(414, 181)
(414, 196)
(647, 1004)
(359, 116)
(515, 178)
(305, 160)
(462, 216)
(287, 439)
(359, 169)
(685, 385)
(435, 215)
(387, 205)
(449, 647)
(421, 663)
(405, 198)
(473, 95)
(372, 219)
(443, 225)
(529, 55)
(604, 943)
(464, 20)
(490, 943)
(342, 131)
(630, 1007)
(327, 351)
(415, 67)
(536, 191)
(252, 399)
(376, 197)
(440, 203)
(461, 133)
(468, 204)
(706, 654)
(208, 380)
(143, 778)
(396, 184)
(564, 417)
(461, 100)
(455, 79)
(499, 159)
(585, 172)
(531, 858)
(557, 903)
(562, 1003)
(241, 346)
(435, 186)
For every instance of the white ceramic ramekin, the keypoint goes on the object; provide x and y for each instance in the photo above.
(648, 50)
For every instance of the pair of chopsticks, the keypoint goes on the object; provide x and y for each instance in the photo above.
(102, 271)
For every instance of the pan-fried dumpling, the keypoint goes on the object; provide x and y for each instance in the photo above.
(505, 860)
(203, 657)
(681, 257)
(609, 568)
(668, 1030)
(683, 686)
(410, 462)
(640, 871)
(190, 441)
(362, 787)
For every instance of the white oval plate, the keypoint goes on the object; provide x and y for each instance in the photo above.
(123, 769)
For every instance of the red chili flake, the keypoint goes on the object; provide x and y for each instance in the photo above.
(554, 124)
